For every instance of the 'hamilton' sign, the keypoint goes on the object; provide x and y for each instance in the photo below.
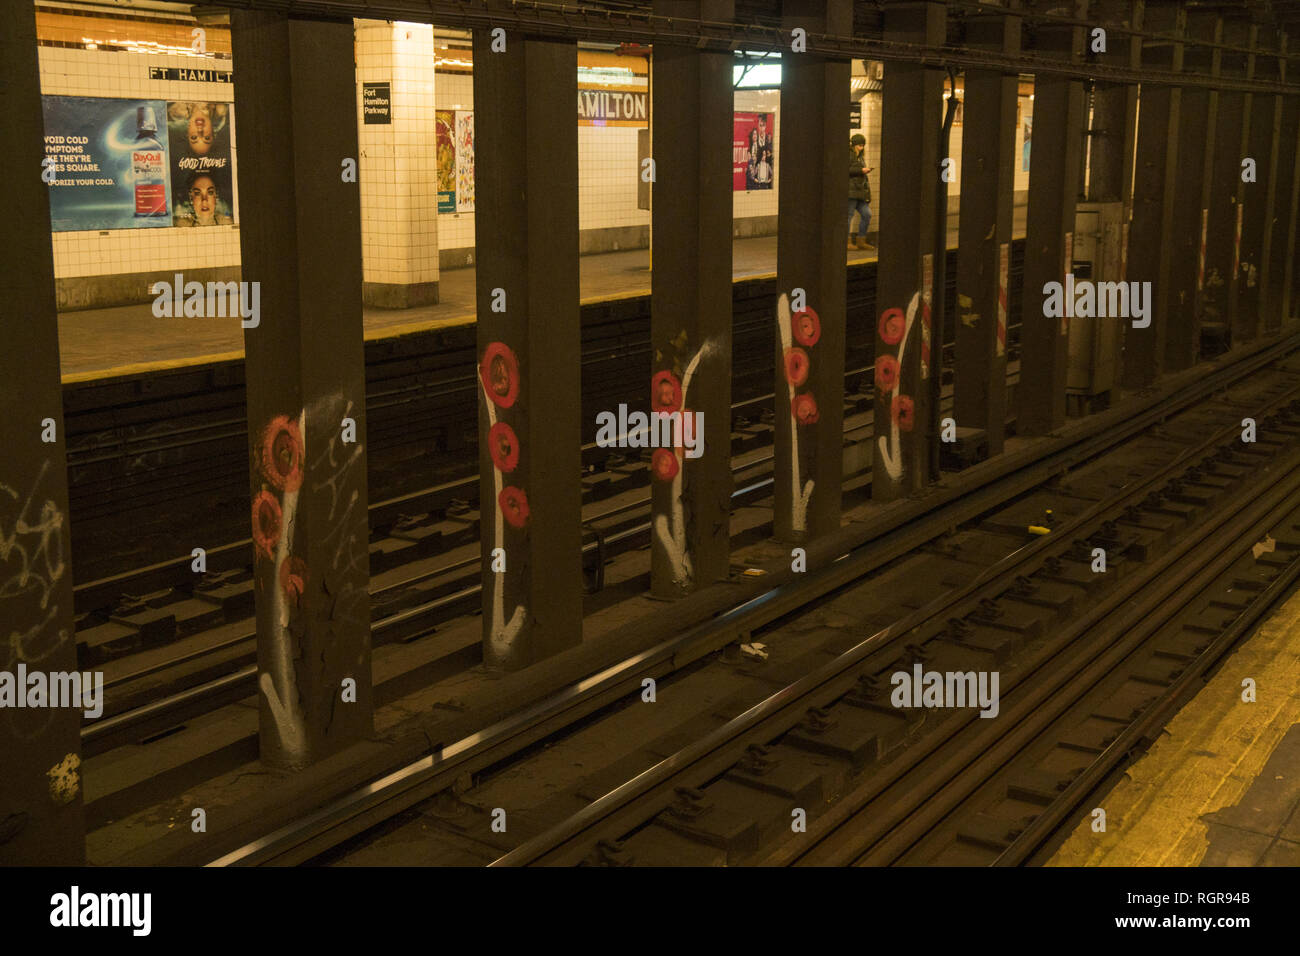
(188, 75)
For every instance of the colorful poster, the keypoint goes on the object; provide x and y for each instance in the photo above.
(202, 180)
(108, 163)
(753, 161)
(1028, 124)
(445, 126)
(464, 161)
(125, 164)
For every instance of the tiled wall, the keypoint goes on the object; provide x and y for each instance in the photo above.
(398, 170)
(79, 72)
(402, 231)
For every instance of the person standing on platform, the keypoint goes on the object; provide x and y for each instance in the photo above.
(859, 192)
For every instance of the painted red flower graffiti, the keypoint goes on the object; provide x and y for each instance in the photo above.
(902, 412)
(503, 446)
(499, 371)
(796, 366)
(514, 506)
(804, 409)
(267, 519)
(293, 578)
(282, 454)
(663, 465)
(806, 326)
(665, 392)
(886, 372)
(892, 325)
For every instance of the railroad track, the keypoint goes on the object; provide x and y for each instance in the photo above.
(614, 818)
(414, 599)
(873, 783)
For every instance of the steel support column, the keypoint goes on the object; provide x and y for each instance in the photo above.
(1195, 151)
(690, 300)
(984, 237)
(811, 269)
(1218, 293)
(1261, 195)
(1291, 141)
(1049, 230)
(1243, 321)
(41, 817)
(1155, 186)
(910, 127)
(1281, 248)
(1114, 108)
(300, 244)
(526, 240)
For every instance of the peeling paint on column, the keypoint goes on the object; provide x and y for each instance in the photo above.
(65, 779)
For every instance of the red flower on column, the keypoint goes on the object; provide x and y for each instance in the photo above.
(806, 326)
(282, 454)
(886, 372)
(293, 578)
(499, 371)
(267, 519)
(902, 412)
(503, 446)
(892, 326)
(796, 366)
(665, 392)
(663, 465)
(804, 409)
(514, 506)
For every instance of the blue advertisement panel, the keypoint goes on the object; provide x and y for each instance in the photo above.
(110, 164)
(127, 164)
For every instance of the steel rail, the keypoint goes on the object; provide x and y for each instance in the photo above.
(658, 782)
(1054, 687)
(353, 811)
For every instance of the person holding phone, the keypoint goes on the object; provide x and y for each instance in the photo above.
(859, 192)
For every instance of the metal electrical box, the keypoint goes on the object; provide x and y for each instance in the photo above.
(1095, 342)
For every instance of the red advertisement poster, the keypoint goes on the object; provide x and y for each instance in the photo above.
(753, 152)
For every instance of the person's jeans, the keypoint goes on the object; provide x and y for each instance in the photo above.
(863, 209)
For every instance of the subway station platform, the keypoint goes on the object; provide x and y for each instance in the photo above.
(99, 343)
(1221, 787)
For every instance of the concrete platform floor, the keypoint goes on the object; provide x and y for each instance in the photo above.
(98, 343)
(1221, 787)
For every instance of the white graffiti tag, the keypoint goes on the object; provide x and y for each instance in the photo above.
(501, 634)
(799, 497)
(891, 454)
(671, 532)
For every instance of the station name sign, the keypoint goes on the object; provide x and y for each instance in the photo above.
(188, 75)
(612, 108)
(377, 103)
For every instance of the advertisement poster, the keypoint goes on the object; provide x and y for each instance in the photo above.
(1028, 124)
(127, 164)
(445, 125)
(464, 161)
(753, 160)
(202, 181)
(110, 164)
